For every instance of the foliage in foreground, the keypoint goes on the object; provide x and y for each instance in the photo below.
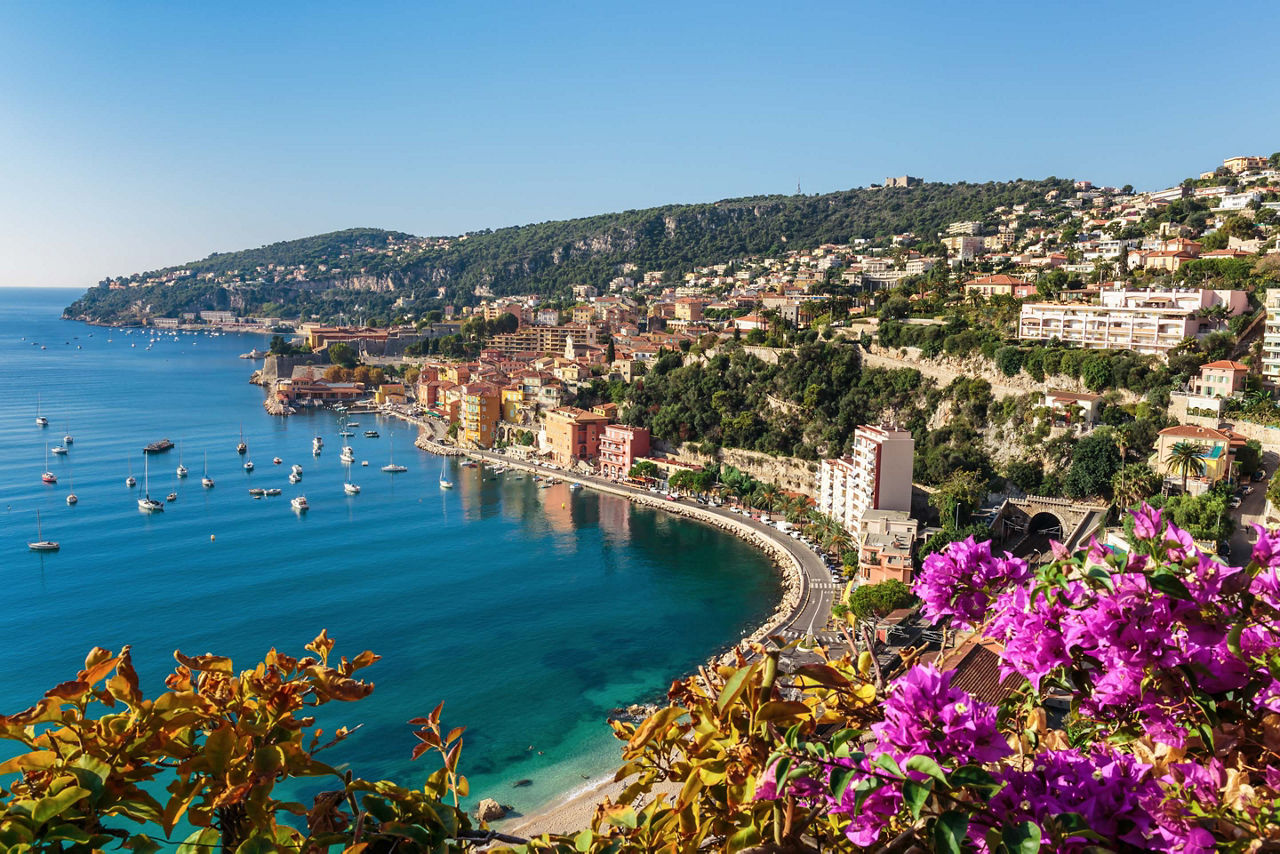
(1160, 668)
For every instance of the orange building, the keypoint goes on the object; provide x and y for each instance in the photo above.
(574, 434)
(481, 411)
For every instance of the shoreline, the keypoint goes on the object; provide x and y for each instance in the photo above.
(574, 808)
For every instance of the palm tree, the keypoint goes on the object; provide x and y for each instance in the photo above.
(1186, 458)
(1133, 483)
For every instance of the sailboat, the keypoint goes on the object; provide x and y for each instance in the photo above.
(444, 482)
(242, 448)
(47, 476)
(71, 496)
(41, 544)
(146, 503)
(391, 467)
(182, 470)
(68, 439)
(131, 481)
(206, 481)
(41, 421)
(350, 488)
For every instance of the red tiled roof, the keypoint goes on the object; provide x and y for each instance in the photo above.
(977, 671)
(1189, 431)
(1226, 364)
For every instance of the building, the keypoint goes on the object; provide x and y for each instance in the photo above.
(1236, 165)
(1271, 336)
(620, 446)
(884, 552)
(390, 393)
(901, 181)
(1145, 321)
(877, 476)
(574, 434)
(1000, 285)
(1217, 454)
(481, 411)
(964, 247)
(1073, 407)
(1223, 378)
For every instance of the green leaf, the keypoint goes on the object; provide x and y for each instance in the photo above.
(734, 687)
(583, 840)
(889, 764)
(1170, 585)
(744, 838)
(926, 765)
(202, 841)
(840, 781)
(47, 808)
(914, 796)
(975, 777)
(142, 844)
(1022, 838)
(949, 831)
(257, 844)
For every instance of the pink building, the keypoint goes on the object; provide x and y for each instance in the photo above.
(620, 447)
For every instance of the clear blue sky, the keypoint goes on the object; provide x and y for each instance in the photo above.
(136, 135)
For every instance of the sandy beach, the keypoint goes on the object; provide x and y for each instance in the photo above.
(572, 813)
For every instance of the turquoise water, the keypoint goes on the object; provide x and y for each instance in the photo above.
(530, 612)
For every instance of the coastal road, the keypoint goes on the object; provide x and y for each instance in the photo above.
(817, 590)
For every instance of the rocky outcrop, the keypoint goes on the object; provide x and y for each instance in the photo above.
(490, 810)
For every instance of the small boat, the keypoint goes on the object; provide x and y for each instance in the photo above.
(575, 485)
(364, 463)
(242, 448)
(47, 476)
(130, 481)
(71, 496)
(206, 481)
(171, 497)
(68, 439)
(181, 470)
(317, 443)
(445, 483)
(257, 492)
(350, 488)
(41, 421)
(371, 434)
(300, 504)
(275, 461)
(346, 434)
(347, 455)
(391, 467)
(41, 544)
(158, 447)
(297, 469)
(248, 465)
(146, 503)
(60, 450)
(353, 423)
(294, 477)
(275, 490)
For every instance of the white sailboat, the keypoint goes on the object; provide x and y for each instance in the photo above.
(47, 476)
(146, 503)
(41, 544)
(391, 467)
(206, 481)
(41, 421)
(445, 483)
(242, 448)
(68, 439)
(350, 488)
(182, 470)
(131, 481)
(71, 496)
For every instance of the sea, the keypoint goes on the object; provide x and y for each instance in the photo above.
(530, 612)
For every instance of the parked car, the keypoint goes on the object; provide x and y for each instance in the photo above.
(1234, 502)
(1261, 474)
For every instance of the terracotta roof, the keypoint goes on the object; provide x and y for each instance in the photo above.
(1190, 431)
(1226, 364)
(977, 671)
(1000, 279)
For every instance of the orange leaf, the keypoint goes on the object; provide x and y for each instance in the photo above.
(68, 690)
(207, 663)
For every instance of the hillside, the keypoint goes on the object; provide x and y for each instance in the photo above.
(332, 273)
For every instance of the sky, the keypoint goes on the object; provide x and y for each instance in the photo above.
(139, 135)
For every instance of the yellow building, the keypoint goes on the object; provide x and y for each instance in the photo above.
(481, 411)
(1217, 453)
(389, 393)
(512, 400)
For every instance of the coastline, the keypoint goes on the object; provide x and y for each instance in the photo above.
(574, 808)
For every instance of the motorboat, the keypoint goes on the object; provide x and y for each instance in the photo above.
(41, 544)
(248, 466)
(350, 488)
(60, 450)
(257, 492)
(297, 469)
(275, 490)
(294, 477)
(300, 504)
(316, 444)
(348, 455)
(371, 434)
(275, 461)
(171, 497)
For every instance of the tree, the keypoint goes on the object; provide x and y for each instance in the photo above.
(958, 496)
(1093, 463)
(610, 354)
(645, 469)
(1133, 483)
(1186, 458)
(869, 603)
(342, 353)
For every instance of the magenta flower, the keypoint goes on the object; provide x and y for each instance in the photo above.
(962, 579)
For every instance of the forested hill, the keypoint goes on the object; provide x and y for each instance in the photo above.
(545, 257)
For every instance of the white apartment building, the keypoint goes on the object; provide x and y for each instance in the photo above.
(876, 476)
(1145, 321)
(1271, 336)
(964, 247)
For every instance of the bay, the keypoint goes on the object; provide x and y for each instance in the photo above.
(530, 612)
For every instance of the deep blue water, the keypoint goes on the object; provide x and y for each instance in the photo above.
(530, 612)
